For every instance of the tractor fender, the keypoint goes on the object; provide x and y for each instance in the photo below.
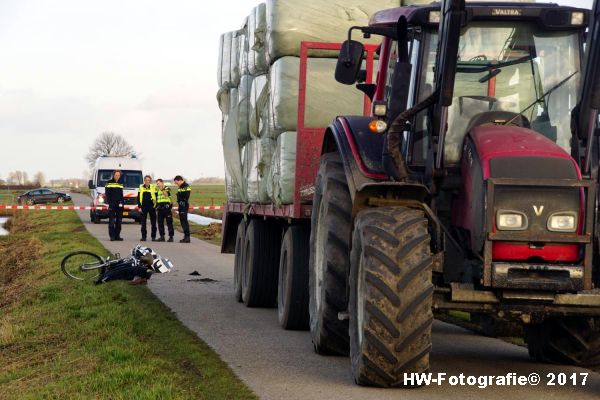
(361, 154)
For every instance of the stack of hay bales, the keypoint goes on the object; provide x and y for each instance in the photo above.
(259, 90)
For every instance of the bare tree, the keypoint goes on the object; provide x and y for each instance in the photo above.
(18, 178)
(109, 144)
(39, 178)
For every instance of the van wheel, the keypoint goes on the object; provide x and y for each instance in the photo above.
(239, 260)
(329, 251)
(292, 291)
(391, 296)
(262, 244)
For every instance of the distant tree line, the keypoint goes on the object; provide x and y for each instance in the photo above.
(21, 178)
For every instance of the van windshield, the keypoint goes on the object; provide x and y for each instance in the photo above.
(129, 179)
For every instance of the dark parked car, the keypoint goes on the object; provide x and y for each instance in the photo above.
(42, 195)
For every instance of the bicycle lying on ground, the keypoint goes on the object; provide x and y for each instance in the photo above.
(90, 267)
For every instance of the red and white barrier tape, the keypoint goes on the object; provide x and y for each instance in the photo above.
(82, 208)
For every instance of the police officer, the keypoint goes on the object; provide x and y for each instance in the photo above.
(163, 210)
(183, 202)
(147, 204)
(113, 191)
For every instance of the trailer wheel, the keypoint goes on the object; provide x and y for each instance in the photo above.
(262, 244)
(390, 296)
(329, 251)
(568, 340)
(292, 291)
(239, 260)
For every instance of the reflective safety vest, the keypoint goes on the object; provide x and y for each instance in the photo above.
(151, 190)
(163, 196)
(113, 185)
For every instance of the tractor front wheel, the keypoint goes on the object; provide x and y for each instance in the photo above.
(391, 296)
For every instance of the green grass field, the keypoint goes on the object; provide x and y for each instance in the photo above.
(60, 339)
(207, 195)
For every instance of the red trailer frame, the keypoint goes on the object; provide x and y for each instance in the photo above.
(308, 147)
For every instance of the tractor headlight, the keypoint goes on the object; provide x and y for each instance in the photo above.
(379, 108)
(562, 222)
(511, 221)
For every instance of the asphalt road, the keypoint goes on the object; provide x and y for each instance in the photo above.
(280, 364)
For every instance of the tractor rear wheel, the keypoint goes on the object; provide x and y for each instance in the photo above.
(391, 296)
(568, 340)
(329, 251)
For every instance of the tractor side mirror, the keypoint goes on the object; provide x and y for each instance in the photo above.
(91, 184)
(349, 62)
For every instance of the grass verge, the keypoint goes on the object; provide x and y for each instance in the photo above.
(208, 195)
(62, 340)
(209, 233)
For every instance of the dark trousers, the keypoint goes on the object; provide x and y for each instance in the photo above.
(165, 214)
(126, 273)
(115, 215)
(148, 211)
(183, 218)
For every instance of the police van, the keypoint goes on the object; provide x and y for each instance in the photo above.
(131, 178)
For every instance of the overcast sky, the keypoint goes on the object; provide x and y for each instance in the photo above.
(145, 69)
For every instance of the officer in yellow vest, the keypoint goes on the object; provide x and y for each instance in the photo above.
(147, 204)
(164, 211)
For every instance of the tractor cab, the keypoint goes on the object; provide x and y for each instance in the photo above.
(516, 65)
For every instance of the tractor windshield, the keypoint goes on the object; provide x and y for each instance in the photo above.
(507, 67)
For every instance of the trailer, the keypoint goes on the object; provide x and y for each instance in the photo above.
(270, 242)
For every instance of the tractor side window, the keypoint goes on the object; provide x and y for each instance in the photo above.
(420, 136)
(390, 70)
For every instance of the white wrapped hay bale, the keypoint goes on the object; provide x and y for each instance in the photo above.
(231, 107)
(233, 193)
(223, 100)
(283, 170)
(325, 98)
(244, 107)
(235, 60)
(224, 68)
(290, 22)
(257, 164)
(257, 51)
(243, 48)
(231, 153)
(259, 97)
(228, 74)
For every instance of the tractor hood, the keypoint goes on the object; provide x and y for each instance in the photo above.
(495, 142)
(510, 152)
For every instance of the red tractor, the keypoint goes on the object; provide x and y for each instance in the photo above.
(471, 187)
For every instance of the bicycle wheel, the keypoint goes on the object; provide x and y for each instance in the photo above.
(82, 266)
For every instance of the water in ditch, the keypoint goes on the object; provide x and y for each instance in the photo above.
(3, 232)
